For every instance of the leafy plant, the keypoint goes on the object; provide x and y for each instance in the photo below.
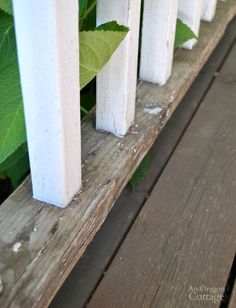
(96, 47)
(12, 126)
(6, 6)
(141, 172)
(87, 16)
(183, 34)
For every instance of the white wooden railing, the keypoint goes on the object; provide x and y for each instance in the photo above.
(48, 53)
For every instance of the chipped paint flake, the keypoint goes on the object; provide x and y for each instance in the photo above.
(153, 110)
(16, 247)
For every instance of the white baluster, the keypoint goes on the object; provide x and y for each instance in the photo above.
(190, 13)
(116, 83)
(48, 53)
(208, 9)
(158, 35)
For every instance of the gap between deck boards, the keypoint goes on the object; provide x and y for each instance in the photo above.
(182, 244)
(52, 240)
(90, 269)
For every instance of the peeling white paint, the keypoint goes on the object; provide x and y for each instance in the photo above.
(16, 247)
(121, 146)
(153, 110)
(171, 98)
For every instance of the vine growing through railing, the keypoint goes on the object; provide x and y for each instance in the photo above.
(14, 162)
(101, 44)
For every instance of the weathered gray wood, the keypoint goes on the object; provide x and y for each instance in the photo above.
(87, 273)
(41, 244)
(185, 236)
(80, 284)
(169, 136)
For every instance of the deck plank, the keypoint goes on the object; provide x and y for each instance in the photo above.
(51, 240)
(87, 273)
(185, 236)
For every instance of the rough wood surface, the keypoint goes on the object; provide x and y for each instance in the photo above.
(181, 247)
(40, 244)
(90, 269)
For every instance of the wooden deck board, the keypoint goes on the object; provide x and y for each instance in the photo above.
(185, 236)
(51, 240)
(87, 273)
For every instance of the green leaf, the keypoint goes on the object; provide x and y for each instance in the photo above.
(16, 166)
(82, 7)
(87, 102)
(112, 26)
(87, 19)
(96, 49)
(14, 158)
(12, 126)
(3, 175)
(183, 34)
(6, 6)
(18, 171)
(7, 40)
(141, 172)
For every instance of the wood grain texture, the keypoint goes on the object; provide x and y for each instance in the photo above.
(78, 287)
(183, 243)
(52, 240)
(85, 276)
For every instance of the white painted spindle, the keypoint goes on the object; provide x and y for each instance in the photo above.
(116, 83)
(208, 9)
(48, 53)
(158, 35)
(190, 13)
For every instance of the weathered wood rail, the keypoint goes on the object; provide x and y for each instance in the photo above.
(40, 243)
(96, 261)
(50, 80)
